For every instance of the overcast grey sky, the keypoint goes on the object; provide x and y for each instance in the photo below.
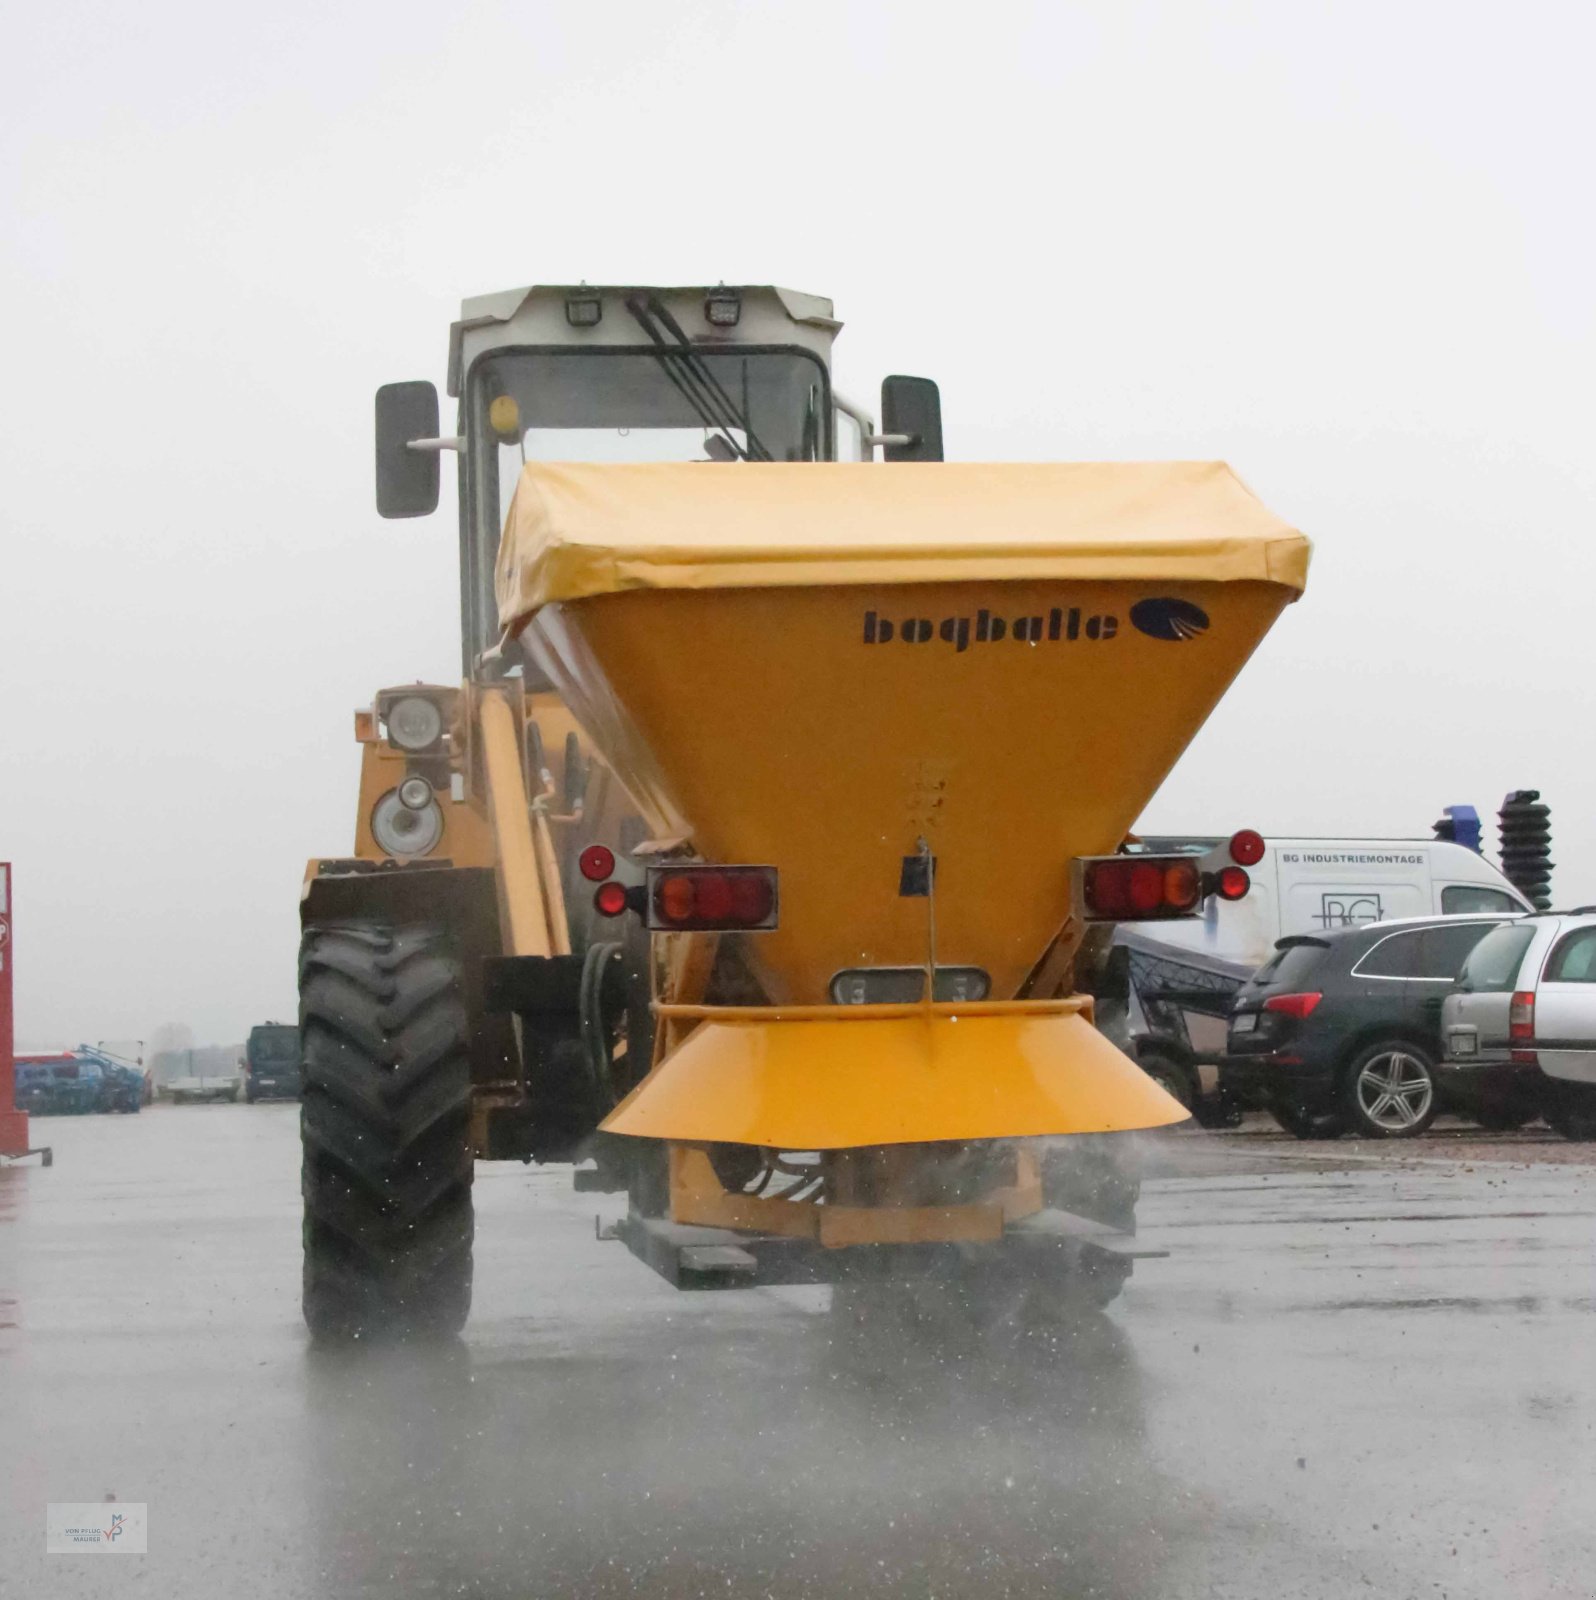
(1348, 248)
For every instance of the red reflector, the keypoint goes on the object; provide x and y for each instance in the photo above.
(1232, 883)
(708, 898)
(597, 863)
(610, 899)
(1292, 1005)
(1521, 1015)
(1246, 848)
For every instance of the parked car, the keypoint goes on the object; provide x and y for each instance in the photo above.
(271, 1062)
(1341, 1031)
(58, 1085)
(1520, 1024)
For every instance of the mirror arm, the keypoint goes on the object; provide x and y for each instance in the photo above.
(422, 446)
(866, 424)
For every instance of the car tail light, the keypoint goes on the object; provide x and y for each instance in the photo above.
(1246, 848)
(711, 898)
(1293, 1005)
(597, 863)
(1136, 888)
(1521, 1027)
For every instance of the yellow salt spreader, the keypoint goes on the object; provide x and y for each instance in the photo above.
(749, 866)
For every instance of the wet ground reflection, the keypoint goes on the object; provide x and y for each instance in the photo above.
(793, 1460)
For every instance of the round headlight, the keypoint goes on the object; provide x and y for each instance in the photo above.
(416, 793)
(415, 723)
(401, 830)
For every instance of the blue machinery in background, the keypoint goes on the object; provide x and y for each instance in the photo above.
(1460, 825)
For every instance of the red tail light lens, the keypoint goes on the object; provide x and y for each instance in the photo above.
(597, 863)
(1183, 886)
(1139, 888)
(1232, 883)
(712, 898)
(1521, 1015)
(1246, 848)
(610, 899)
(1293, 1005)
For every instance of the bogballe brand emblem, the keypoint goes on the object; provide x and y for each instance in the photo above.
(1168, 619)
(1158, 619)
(985, 628)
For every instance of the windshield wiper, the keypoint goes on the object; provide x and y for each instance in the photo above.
(686, 368)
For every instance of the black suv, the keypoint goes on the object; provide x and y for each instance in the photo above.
(1341, 1031)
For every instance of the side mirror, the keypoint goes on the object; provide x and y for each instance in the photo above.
(912, 406)
(407, 480)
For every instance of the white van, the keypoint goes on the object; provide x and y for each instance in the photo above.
(1309, 885)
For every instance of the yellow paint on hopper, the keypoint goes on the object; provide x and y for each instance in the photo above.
(915, 1078)
(816, 666)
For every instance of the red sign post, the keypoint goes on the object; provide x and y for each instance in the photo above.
(13, 1123)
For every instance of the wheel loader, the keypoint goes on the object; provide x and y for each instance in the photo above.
(750, 864)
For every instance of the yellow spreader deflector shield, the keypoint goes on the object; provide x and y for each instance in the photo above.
(818, 1078)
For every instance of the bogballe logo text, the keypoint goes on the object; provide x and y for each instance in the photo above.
(1163, 618)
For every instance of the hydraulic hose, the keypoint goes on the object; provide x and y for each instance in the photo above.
(590, 1006)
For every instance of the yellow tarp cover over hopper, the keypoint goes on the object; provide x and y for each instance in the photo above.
(577, 530)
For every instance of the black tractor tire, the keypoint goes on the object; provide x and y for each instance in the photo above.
(385, 1130)
(1571, 1111)
(1171, 1075)
(1388, 1090)
(1301, 1124)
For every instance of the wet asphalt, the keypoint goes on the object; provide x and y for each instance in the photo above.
(1359, 1372)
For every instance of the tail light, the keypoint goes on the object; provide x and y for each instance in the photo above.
(1293, 1005)
(1521, 1027)
(1231, 883)
(610, 899)
(684, 899)
(1139, 888)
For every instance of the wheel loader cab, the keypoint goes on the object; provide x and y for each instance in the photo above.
(751, 857)
(628, 375)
